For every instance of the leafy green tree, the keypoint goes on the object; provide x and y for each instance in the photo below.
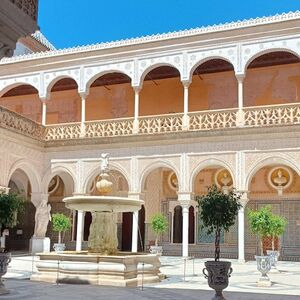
(218, 210)
(10, 206)
(260, 222)
(277, 228)
(159, 224)
(60, 223)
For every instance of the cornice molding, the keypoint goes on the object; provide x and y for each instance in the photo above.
(159, 37)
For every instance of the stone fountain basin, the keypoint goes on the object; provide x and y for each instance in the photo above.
(103, 203)
(124, 269)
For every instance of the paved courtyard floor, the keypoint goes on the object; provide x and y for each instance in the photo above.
(184, 280)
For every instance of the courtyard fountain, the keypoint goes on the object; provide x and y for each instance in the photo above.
(102, 264)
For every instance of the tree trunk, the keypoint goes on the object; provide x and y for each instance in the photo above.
(217, 244)
(273, 243)
(156, 241)
(261, 247)
(59, 237)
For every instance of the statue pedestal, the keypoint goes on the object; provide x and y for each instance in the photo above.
(39, 245)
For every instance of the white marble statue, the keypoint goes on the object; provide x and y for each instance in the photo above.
(42, 218)
(104, 163)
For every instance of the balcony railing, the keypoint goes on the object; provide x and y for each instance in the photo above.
(259, 116)
(20, 124)
(29, 7)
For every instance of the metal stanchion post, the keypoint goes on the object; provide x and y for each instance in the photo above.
(193, 257)
(184, 269)
(32, 263)
(143, 268)
(57, 273)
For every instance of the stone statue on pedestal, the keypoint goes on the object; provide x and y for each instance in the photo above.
(42, 218)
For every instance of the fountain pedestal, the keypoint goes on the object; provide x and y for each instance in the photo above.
(102, 264)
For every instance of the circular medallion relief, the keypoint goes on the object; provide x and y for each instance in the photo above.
(172, 181)
(280, 178)
(53, 185)
(223, 179)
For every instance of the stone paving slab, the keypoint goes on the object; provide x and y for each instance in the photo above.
(244, 277)
(25, 289)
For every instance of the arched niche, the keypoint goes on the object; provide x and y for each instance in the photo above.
(19, 236)
(64, 103)
(213, 86)
(162, 92)
(111, 96)
(276, 185)
(272, 78)
(24, 100)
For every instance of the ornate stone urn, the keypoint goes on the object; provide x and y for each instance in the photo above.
(5, 259)
(274, 255)
(263, 266)
(217, 273)
(59, 247)
(156, 250)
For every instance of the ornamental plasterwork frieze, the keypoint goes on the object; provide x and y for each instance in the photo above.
(91, 73)
(148, 164)
(196, 58)
(198, 162)
(160, 37)
(258, 160)
(148, 64)
(251, 51)
(50, 78)
(9, 83)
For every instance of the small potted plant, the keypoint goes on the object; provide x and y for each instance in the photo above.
(277, 227)
(10, 206)
(61, 223)
(218, 211)
(159, 224)
(260, 224)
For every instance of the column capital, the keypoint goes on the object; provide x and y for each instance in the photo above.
(137, 88)
(4, 189)
(240, 77)
(244, 197)
(83, 94)
(186, 83)
(44, 99)
(185, 199)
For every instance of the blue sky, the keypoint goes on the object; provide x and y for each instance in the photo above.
(68, 23)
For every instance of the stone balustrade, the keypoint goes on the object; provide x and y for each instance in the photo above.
(259, 116)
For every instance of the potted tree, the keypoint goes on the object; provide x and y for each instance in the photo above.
(218, 211)
(10, 206)
(260, 223)
(277, 227)
(61, 223)
(159, 224)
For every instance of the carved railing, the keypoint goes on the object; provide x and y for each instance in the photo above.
(29, 7)
(63, 131)
(160, 124)
(20, 124)
(283, 114)
(198, 121)
(116, 127)
(216, 119)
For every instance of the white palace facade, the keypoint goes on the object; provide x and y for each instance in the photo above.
(177, 112)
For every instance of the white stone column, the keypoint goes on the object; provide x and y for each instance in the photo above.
(185, 230)
(80, 227)
(185, 201)
(185, 121)
(240, 114)
(135, 227)
(241, 229)
(136, 109)
(83, 109)
(44, 112)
